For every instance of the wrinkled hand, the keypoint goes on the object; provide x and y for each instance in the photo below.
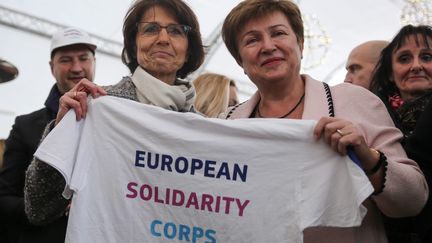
(76, 99)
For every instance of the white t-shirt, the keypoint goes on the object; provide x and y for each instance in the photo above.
(140, 173)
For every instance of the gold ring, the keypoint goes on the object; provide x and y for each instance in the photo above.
(340, 132)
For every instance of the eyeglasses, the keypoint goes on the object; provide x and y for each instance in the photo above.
(153, 28)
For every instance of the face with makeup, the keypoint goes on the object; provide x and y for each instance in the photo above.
(412, 67)
(161, 50)
(269, 49)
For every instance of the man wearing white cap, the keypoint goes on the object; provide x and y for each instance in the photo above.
(72, 58)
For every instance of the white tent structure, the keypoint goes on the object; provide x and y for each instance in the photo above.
(334, 28)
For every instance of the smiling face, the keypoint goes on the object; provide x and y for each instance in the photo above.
(162, 55)
(269, 49)
(412, 67)
(70, 64)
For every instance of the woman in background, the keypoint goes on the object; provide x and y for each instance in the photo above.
(214, 94)
(403, 81)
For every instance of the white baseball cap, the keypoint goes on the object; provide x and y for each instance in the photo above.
(71, 36)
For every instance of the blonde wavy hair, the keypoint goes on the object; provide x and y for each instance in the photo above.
(212, 93)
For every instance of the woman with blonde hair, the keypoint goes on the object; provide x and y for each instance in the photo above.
(215, 93)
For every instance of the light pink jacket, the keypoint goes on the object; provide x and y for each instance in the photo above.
(405, 191)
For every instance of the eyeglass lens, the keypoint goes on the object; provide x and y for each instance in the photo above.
(153, 28)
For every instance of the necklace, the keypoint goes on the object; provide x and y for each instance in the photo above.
(287, 114)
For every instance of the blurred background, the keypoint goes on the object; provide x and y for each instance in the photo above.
(333, 28)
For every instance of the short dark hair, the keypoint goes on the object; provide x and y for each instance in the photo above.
(254, 9)
(380, 80)
(183, 13)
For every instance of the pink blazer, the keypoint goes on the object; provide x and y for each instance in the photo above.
(405, 191)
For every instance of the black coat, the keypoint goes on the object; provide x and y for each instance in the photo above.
(419, 147)
(22, 142)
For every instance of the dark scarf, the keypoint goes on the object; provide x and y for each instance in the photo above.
(408, 112)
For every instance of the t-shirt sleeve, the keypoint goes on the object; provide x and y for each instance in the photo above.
(59, 148)
(340, 187)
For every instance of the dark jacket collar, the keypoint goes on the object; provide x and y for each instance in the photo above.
(52, 102)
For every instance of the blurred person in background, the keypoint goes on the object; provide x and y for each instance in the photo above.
(215, 93)
(2, 146)
(403, 81)
(361, 62)
(72, 57)
(8, 72)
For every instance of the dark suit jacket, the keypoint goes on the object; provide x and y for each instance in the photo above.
(22, 142)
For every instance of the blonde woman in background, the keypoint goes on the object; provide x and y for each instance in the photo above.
(214, 94)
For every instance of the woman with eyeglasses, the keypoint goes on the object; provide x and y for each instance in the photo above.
(162, 45)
